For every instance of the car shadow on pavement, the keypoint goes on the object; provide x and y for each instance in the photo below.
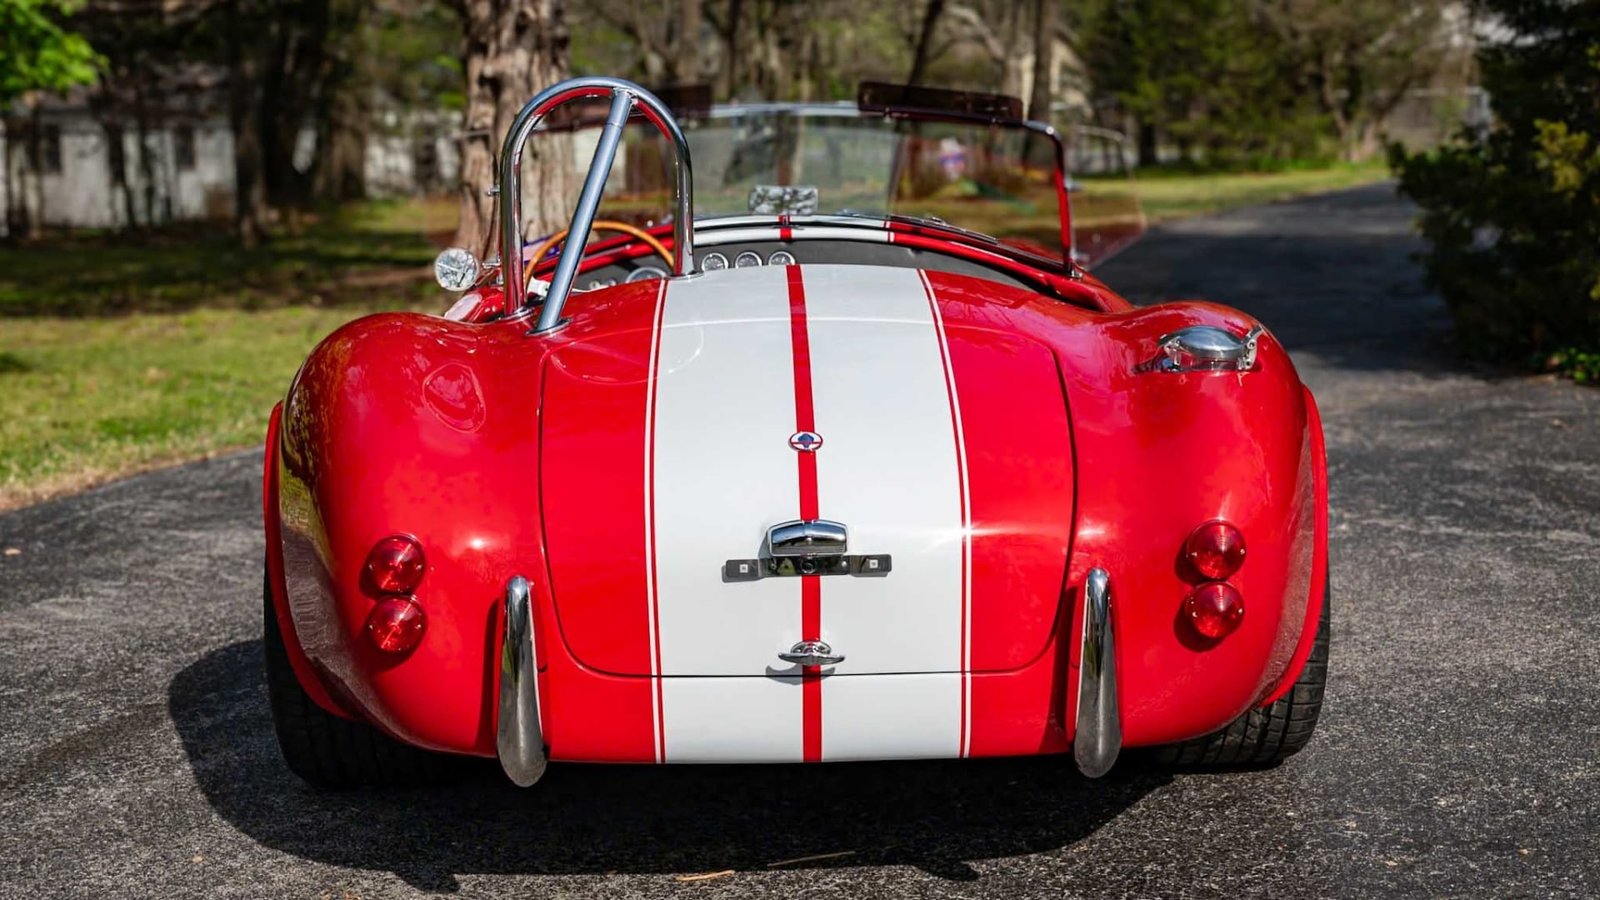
(936, 816)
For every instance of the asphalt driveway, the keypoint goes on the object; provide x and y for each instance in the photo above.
(1459, 753)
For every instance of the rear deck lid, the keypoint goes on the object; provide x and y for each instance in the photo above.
(759, 397)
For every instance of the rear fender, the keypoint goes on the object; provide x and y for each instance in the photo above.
(1319, 564)
(1158, 454)
(303, 670)
(410, 424)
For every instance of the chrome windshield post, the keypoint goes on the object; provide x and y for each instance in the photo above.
(626, 98)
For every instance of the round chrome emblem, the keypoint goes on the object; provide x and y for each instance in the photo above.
(805, 441)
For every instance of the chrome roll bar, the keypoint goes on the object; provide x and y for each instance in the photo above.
(626, 97)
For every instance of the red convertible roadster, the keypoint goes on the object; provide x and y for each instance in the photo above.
(839, 455)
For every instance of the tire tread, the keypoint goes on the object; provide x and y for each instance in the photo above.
(1264, 736)
(330, 752)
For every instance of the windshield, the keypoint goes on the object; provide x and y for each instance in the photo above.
(997, 180)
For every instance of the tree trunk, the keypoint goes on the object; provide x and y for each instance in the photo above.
(244, 117)
(514, 48)
(687, 61)
(1012, 66)
(730, 45)
(16, 202)
(1148, 153)
(930, 24)
(339, 168)
(339, 173)
(295, 72)
(1044, 45)
(34, 224)
(147, 165)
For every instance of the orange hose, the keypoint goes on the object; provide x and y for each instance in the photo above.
(602, 225)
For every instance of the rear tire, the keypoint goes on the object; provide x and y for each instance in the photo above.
(1264, 736)
(331, 752)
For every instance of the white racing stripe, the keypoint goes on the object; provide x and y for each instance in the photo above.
(890, 716)
(890, 471)
(724, 473)
(889, 468)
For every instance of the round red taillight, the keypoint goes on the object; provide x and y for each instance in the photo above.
(395, 565)
(1215, 550)
(1214, 610)
(395, 624)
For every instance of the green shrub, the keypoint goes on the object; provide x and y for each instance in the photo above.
(1512, 212)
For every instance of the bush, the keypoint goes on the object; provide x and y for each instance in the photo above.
(1512, 212)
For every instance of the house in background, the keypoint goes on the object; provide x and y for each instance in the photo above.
(68, 164)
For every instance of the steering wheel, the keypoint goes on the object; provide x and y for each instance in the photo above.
(602, 225)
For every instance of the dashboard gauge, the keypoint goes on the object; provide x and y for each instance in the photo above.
(713, 262)
(745, 260)
(643, 272)
(781, 258)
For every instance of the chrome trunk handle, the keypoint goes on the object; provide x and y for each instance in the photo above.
(808, 538)
(812, 653)
(625, 98)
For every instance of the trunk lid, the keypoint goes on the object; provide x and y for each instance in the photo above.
(766, 396)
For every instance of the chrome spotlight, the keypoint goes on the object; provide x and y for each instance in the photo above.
(456, 269)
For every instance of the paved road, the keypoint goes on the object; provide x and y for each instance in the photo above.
(1459, 753)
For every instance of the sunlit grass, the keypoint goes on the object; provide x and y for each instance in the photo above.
(82, 400)
(336, 258)
(1173, 195)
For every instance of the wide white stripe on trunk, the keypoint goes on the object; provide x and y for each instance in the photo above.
(733, 719)
(888, 470)
(890, 716)
(724, 473)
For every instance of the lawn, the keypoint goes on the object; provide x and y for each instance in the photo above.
(87, 399)
(334, 259)
(1175, 194)
(123, 353)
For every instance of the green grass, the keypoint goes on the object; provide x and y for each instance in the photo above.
(120, 353)
(83, 400)
(335, 259)
(1168, 194)
(123, 352)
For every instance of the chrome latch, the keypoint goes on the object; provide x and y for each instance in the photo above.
(808, 538)
(806, 547)
(812, 653)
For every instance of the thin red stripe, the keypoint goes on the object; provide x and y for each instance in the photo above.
(650, 486)
(966, 530)
(810, 585)
(785, 231)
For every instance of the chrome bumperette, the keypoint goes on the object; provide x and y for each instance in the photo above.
(1098, 734)
(519, 739)
(626, 97)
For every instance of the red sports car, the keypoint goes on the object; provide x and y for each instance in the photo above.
(834, 452)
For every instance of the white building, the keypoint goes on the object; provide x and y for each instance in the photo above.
(87, 175)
